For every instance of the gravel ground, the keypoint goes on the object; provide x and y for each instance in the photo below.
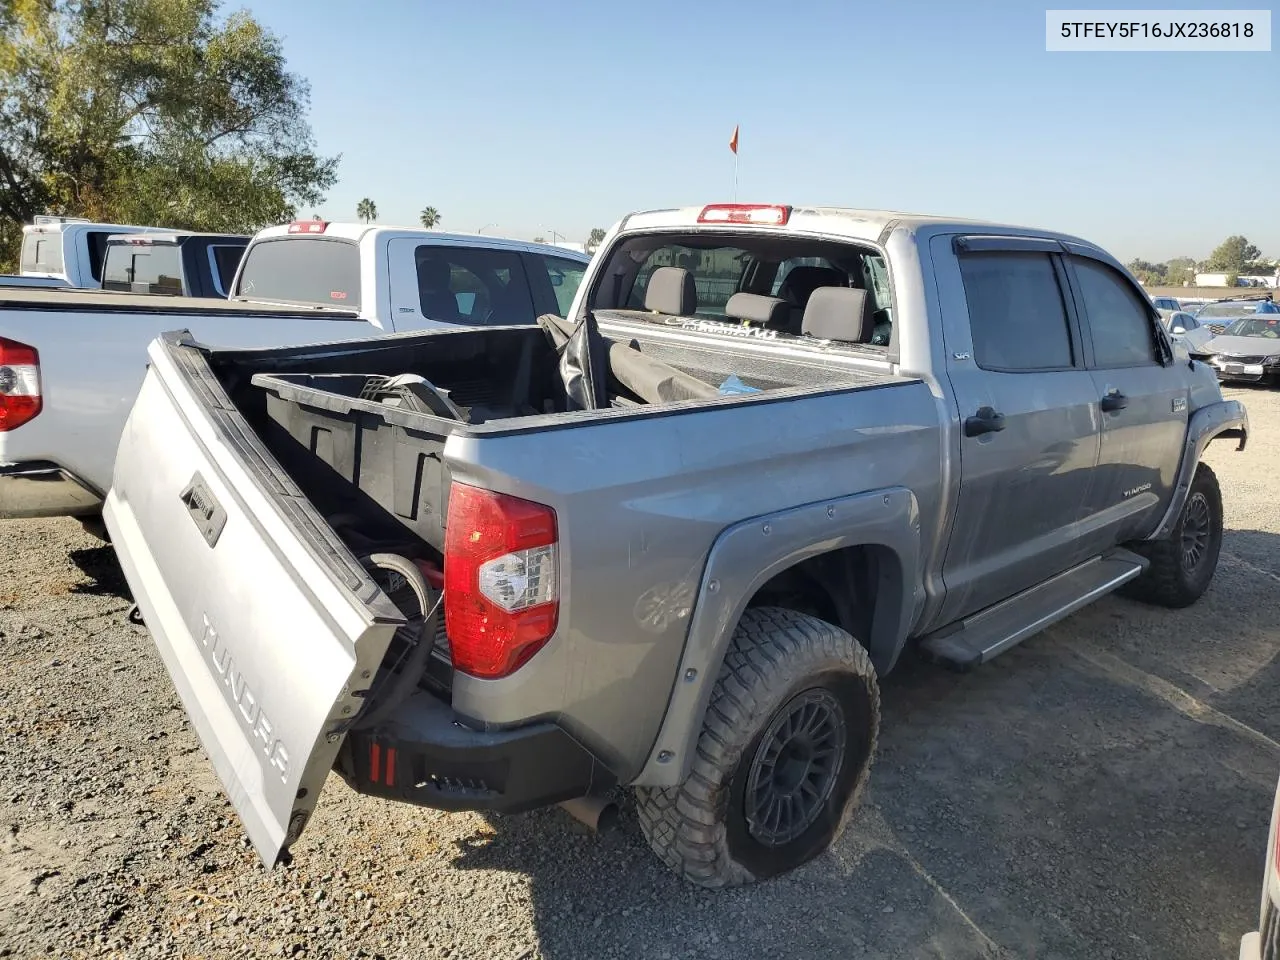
(1101, 791)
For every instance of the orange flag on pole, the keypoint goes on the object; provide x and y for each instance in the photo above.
(733, 141)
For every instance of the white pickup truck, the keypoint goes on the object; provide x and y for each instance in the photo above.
(72, 361)
(64, 252)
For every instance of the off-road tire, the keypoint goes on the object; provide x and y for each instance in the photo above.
(1170, 581)
(777, 656)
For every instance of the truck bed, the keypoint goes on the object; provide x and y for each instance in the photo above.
(355, 448)
(113, 301)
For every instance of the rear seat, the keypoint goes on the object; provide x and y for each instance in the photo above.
(671, 291)
(771, 312)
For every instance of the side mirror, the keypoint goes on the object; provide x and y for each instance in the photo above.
(1177, 330)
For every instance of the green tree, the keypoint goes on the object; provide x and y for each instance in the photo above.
(430, 216)
(158, 112)
(1147, 272)
(1180, 270)
(1233, 254)
(594, 239)
(367, 210)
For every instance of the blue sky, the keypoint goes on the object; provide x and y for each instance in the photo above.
(563, 115)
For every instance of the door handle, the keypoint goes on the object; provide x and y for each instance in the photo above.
(1114, 401)
(986, 420)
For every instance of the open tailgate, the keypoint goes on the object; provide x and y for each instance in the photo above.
(267, 625)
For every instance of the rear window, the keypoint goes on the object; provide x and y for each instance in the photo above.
(42, 253)
(781, 265)
(306, 270)
(143, 268)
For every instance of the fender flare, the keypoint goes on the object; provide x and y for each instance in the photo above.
(1222, 418)
(746, 556)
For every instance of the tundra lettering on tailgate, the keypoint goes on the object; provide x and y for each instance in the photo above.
(243, 700)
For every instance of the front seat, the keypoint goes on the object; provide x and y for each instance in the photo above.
(798, 285)
(843, 314)
(434, 293)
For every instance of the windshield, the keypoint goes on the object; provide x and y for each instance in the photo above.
(1268, 329)
(778, 267)
(1216, 310)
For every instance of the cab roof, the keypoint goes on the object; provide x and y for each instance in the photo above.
(359, 231)
(848, 222)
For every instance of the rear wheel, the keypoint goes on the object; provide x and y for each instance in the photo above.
(785, 751)
(1183, 563)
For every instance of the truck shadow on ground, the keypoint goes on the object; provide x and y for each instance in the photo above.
(101, 568)
(1103, 790)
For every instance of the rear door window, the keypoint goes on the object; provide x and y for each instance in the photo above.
(565, 276)
(474, 286)
(305, 270)
(1017, 313)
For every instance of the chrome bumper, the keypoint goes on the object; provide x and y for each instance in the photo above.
(42, 489)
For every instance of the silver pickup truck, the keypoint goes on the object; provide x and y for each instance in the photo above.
(670, 542)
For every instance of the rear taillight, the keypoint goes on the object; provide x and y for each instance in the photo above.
(501, 589)
(19, 383)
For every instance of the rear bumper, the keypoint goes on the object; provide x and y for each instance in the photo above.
(424, 755)
(40, 488)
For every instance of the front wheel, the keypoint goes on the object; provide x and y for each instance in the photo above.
(1182, 564)
(784, 752)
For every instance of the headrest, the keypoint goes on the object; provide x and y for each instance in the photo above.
(433, 274)
(771, 311)
(671, 291)
(839, 313)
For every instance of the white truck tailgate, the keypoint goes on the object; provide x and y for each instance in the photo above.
(271, 662)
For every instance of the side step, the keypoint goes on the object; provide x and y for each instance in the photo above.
(990, 632)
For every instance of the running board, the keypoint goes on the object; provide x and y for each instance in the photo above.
(990, 632)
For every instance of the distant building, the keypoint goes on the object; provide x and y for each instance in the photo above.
(1251, 280)
(567, 245)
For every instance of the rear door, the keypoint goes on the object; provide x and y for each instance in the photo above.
(1028, 418)
(267, 626)
(1141, 396)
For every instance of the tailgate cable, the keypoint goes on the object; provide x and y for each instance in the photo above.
(416, 663)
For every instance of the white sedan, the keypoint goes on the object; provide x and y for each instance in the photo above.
(1184, 327)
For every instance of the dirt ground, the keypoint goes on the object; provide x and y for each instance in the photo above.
(1102, 791)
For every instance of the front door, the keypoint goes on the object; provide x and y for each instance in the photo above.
(1028, 422)
(1141, 396)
